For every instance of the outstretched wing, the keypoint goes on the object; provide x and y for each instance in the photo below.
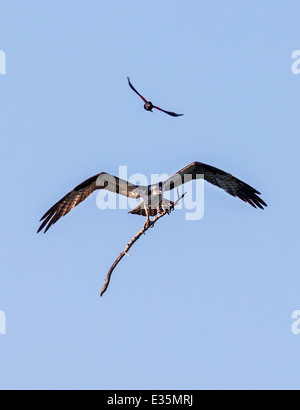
(132, 87)
(222, 179)
(168, 112)
(84, 190)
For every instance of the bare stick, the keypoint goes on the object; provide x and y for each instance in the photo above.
(132, 242)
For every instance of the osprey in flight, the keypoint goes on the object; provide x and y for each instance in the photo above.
(148, 104)
(152, 195)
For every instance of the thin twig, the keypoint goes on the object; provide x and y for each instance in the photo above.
(132, 242)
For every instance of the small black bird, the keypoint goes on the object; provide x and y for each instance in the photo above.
(148, 104)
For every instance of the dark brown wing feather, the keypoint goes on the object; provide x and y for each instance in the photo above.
(168, 112)
(84, 190)
(132, 87)
(221, 179)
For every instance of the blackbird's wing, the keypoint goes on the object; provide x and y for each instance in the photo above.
(132, 87)
(173, 114)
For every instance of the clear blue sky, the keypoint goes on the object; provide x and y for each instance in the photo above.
(203, 304)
